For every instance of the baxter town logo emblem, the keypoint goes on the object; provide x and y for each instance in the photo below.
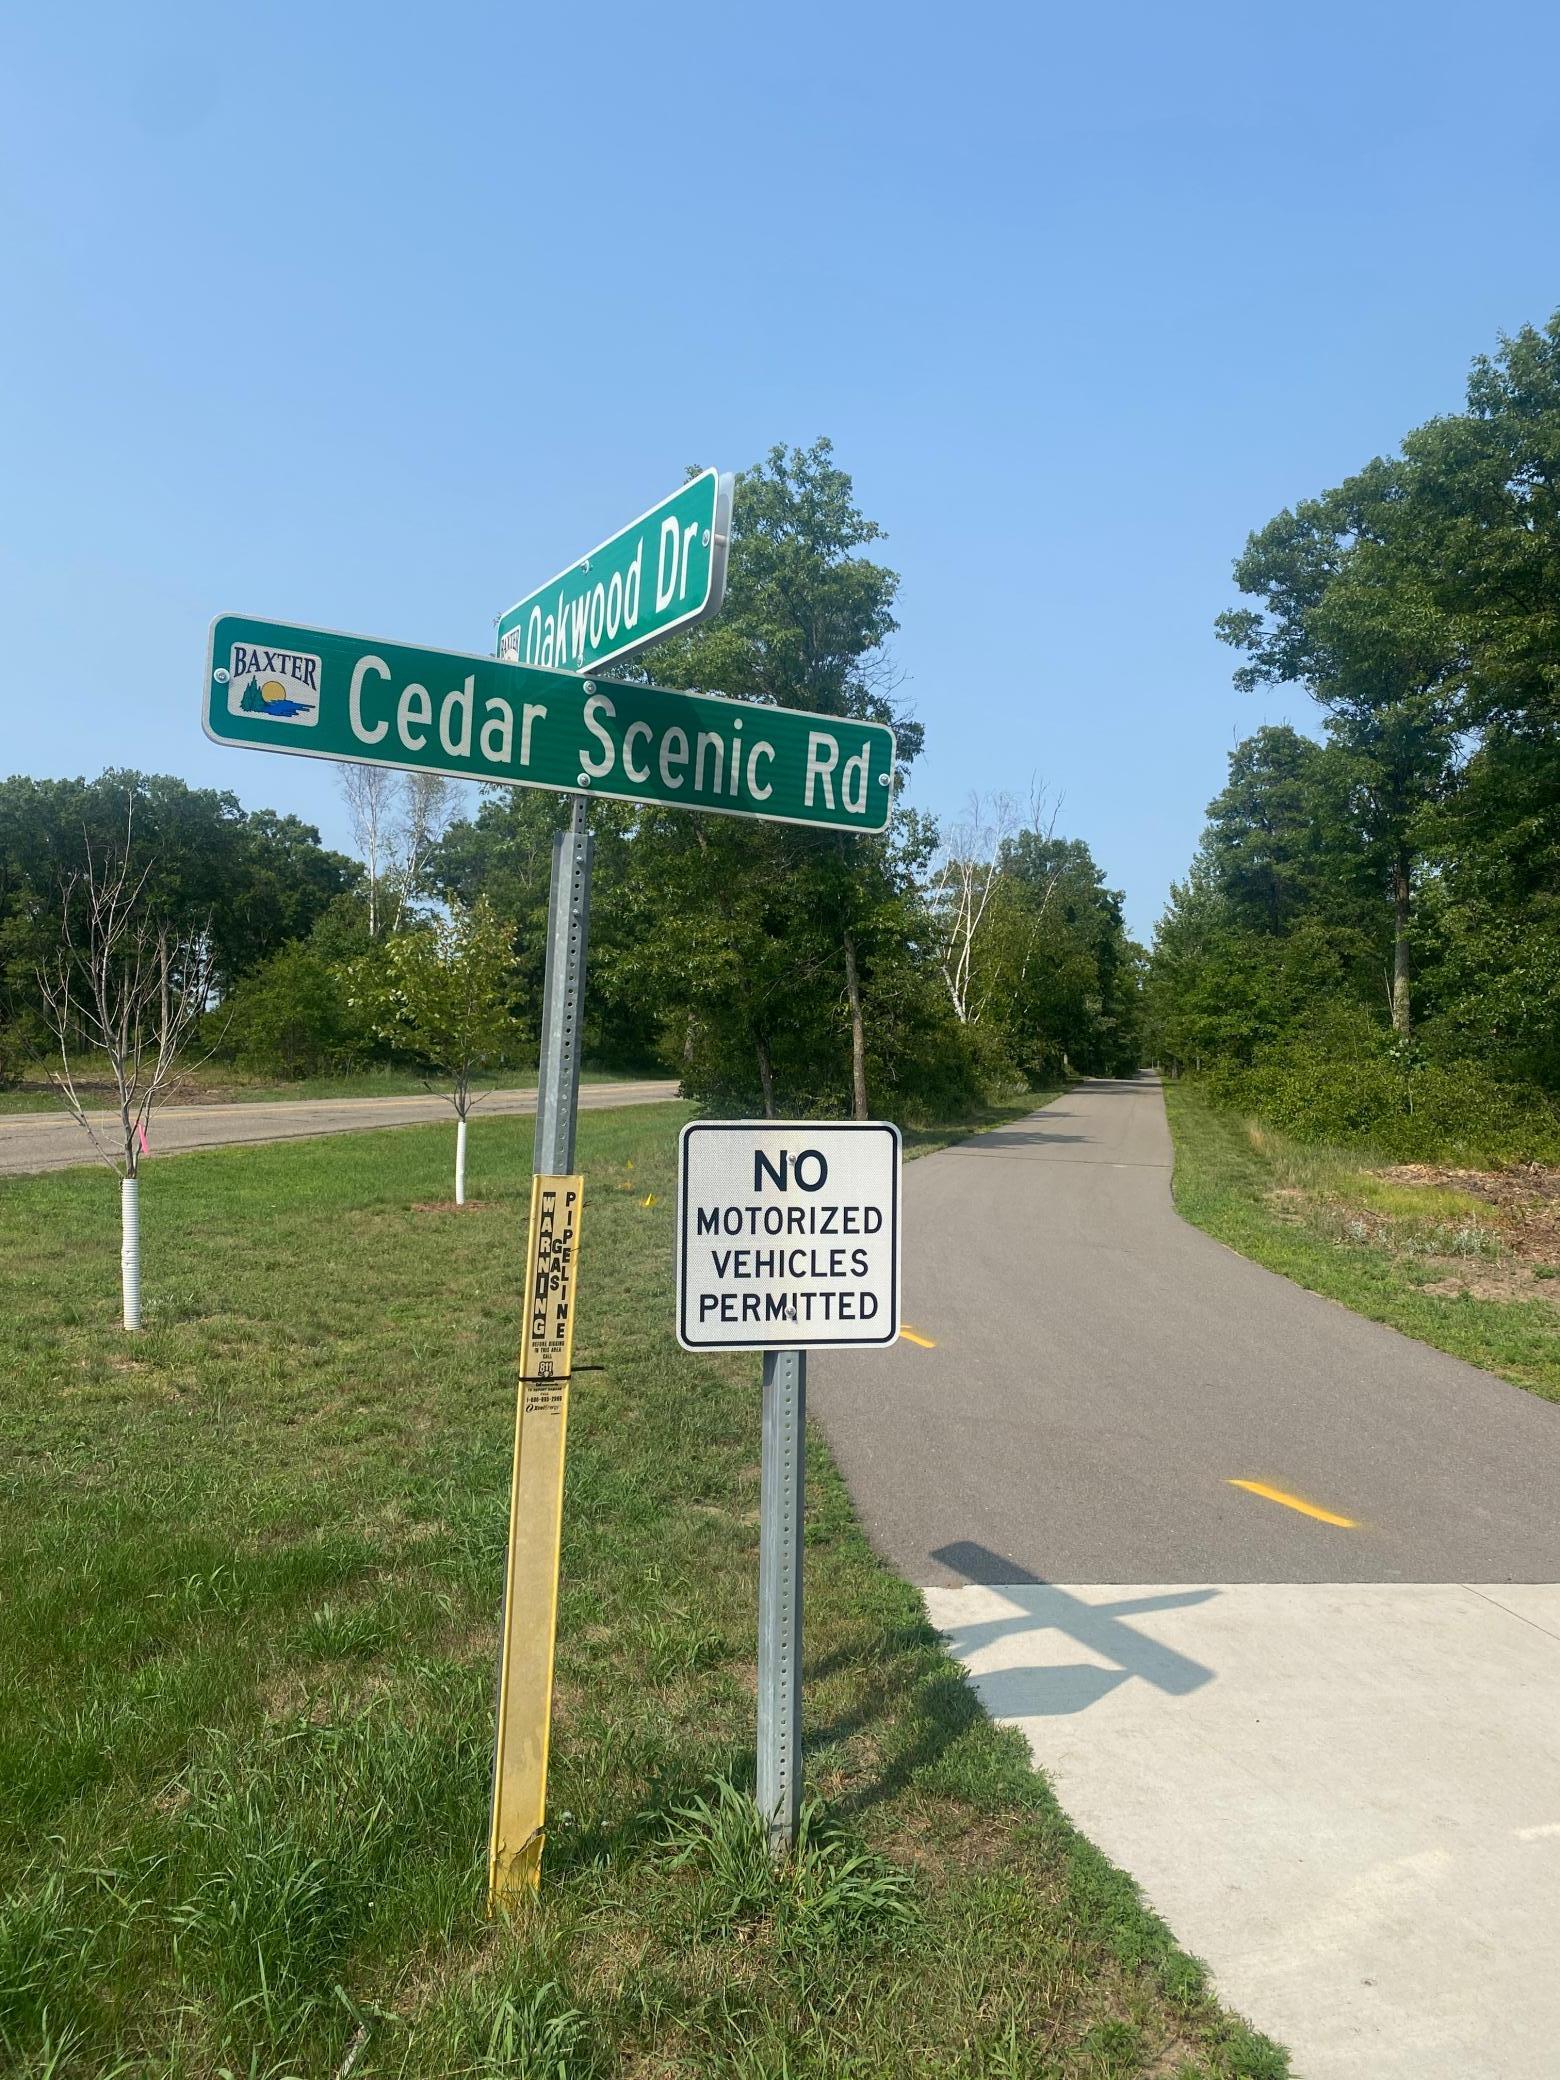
(280, 684)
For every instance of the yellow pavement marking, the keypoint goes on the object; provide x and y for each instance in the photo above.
(1306, 1509)
(915, 1336)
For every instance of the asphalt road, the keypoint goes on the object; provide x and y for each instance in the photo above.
(1329, 1752)
(1103, 1371)
(33, 1141)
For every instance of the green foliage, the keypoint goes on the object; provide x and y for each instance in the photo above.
(1342, 1078)
(762, 944)
(806, 615)
(1073, 993)
(1367, 948)
(504, 853)
(252, 878)
(442, 993)
(291, 1016)
(525, 2035)
(748, 957)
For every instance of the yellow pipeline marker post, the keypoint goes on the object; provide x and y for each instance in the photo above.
(1306, 1509)
(530, 1621)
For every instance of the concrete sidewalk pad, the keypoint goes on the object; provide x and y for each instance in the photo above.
(1344, 1798)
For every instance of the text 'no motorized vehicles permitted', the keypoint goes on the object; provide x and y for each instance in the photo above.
(787, 1234)
(271, 686)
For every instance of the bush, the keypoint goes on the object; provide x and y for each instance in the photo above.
(1346, 1080)
(291, 1016)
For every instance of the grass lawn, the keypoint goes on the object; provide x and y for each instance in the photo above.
(252, 1562)
(1467, 1261)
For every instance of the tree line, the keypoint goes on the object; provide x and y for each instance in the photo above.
(1367, 946)
(773, 969)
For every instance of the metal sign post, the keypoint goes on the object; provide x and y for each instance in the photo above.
(528, 1630)
(787, 1241)
(568, 930)
(782, 1502)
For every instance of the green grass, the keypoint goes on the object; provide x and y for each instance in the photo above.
(1321, 1218)
(252, 1562)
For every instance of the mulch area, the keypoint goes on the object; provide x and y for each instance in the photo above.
(1525, 1200)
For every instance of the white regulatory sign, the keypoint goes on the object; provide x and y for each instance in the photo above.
(787, 1234)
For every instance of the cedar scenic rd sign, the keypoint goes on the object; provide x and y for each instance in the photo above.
(664, 571)
(271, 686)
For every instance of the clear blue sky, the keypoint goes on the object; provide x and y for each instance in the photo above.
(373, 316)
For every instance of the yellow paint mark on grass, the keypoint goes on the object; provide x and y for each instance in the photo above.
(915, 1336)
(1306, 1509)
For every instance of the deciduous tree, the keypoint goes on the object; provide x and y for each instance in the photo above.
(444, 993)
(127, 986)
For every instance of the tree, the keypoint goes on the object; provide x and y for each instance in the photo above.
(1482, 505)
(424, 805)
(805, 624)
(126, 984)
(369, 793)
(397, 821)
(1070, 986)
(443, 992)
(1419, 602)
(965, 895)
(247, 881)
(1351, 616)
(505, 853)
(292, 1016)
(1266, 830)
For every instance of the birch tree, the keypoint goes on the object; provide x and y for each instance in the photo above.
(397, 819)
(422, 813)
(369, 793)
(964, 882)
(125, 985)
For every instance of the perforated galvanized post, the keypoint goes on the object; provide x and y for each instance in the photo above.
(568, 931)
(781, 1501)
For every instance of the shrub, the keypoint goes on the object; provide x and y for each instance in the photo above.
(12, 1055)
(1347, 1080)
(291, 1017)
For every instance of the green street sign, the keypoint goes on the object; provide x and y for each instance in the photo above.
(665, 570)
(271, 686)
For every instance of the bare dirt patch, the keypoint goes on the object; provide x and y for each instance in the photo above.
(1512, 1282)
(1524, 1199)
